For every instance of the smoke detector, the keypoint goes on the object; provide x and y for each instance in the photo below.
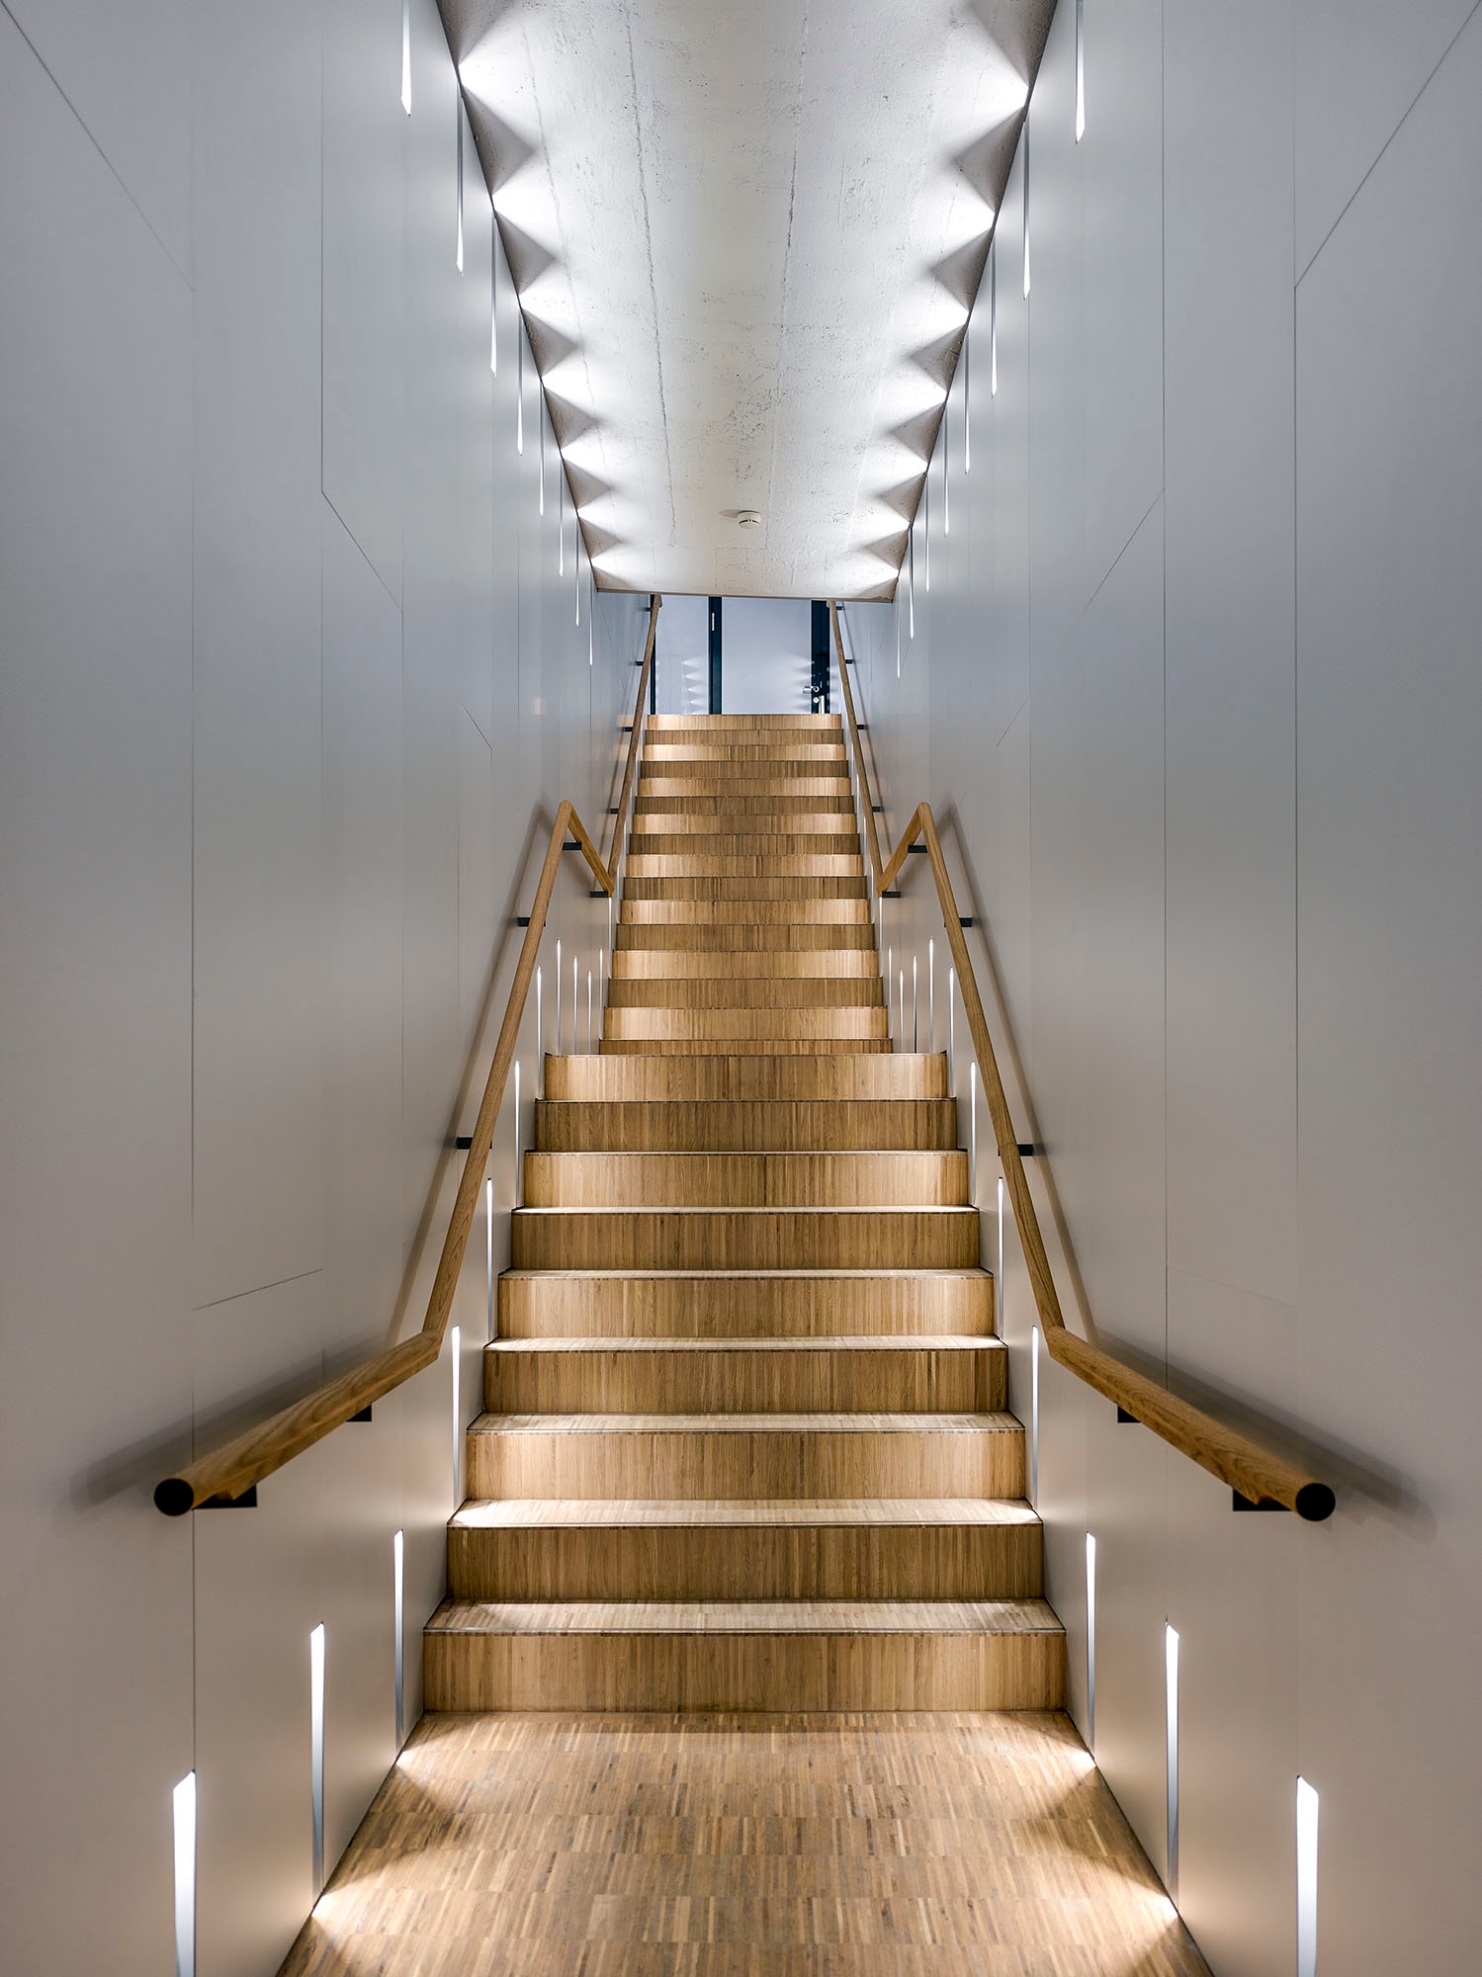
(748, 518)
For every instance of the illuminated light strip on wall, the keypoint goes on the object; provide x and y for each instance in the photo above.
(1080, 70)
(1170, 1670)
(946, 476)
(183, 1815)
(926, 525)
(456, 1335)
(967, 396)
(540, 414)
(1090, 1641)
(406, 56)
(493, 293)
(316, 1751)
(519, 391)
(993, 321)
(458, 255)
(1034, 1416)
(560, 520)
(911, 579)
(489, 1247)
(1306, 1879)
(398, 1611)
(1026, 210)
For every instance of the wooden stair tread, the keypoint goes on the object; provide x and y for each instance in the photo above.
(927, 1273)
(719, 1513)
(709, 1617)
(745, 1424)
(817, 1342)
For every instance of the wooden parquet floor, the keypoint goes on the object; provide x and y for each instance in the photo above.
(744, 1846)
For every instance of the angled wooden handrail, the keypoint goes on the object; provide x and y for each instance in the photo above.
(1254, 1472)
(228, 1472)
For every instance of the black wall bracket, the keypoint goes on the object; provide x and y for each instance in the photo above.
(246, 1501)
(1240, 1502)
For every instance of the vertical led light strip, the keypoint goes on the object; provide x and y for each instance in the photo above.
(1034, 1416)
(406, 56)
(1170, 1658)
(1306, 1879)
(458, 257)
(493, 293)
(316, 1751)
(398, 1621)
(539, 1026)
(489, 1247)
(915, 1007)
(967, 397)
(946, 479)
(972, 1133)
(519, 389)
(183, 1814)
(952, 1033)
(575, 983)
(456, 1335)
(556, 1032)
(1026, 209)
(517, 1132)
(560, 517)
(540, 415)
(926, 526)
(1090, 1642)
(993, 320)
(1080, 70)
(931, 995)
(998, 1285)
(911, 579)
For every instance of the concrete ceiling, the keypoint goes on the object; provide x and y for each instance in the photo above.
(745, 238)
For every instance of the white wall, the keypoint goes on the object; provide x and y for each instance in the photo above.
(290, 685)
(1195, 694)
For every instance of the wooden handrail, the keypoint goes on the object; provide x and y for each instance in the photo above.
(230, 1471)
(1254, 1472)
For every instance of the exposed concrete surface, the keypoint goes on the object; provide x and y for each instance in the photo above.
(744, 238)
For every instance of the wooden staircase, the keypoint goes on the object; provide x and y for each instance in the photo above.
(746, 1444)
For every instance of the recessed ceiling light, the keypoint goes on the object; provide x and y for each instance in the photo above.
(748, 519)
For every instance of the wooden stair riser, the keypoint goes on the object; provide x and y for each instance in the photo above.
(719, 1125)
(733, 843)
(563, 1304)
(698, 892)
(724, 724)
(836, 788)
(725, 772)
(699, 865)
(852, 1669)
(748, 992)
(754, 915)
(900, 1074)
(729, 1180)
(758, 1558)
(813, 1024)
(745, 1239)
(730, 837)
(746, 1377)
(653, 930)
(719, 809)
(751, 1458)
(772, 965)
(764, 755)
(743, 1046)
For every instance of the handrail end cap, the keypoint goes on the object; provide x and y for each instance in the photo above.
(1316, 1502)
(174, 1496)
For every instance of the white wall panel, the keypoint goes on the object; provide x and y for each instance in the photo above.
(259, 1111)
(95, 1044)
(1231, 649)
(1389, 944)
(364, 384)
(124, 68)
(1121, 157)
(362, 773)
(1358, 71)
